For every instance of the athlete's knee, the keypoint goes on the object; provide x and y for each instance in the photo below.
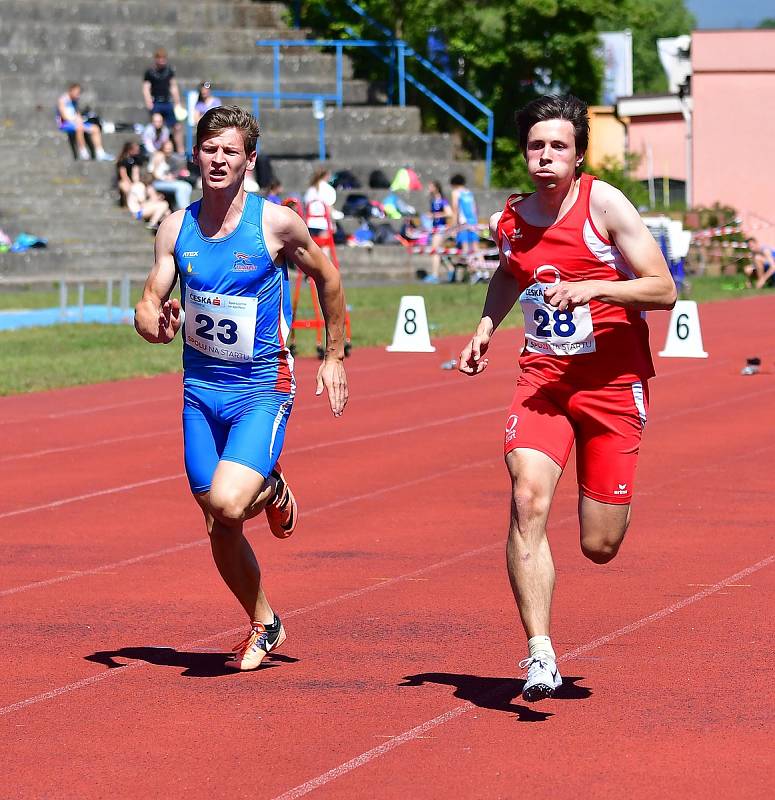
(227, 506)
(528, 503)
(602, 547)
(600, 552)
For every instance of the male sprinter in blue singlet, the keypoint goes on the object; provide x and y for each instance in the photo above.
(230, 250)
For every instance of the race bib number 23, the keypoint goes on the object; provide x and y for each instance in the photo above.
(221, 325)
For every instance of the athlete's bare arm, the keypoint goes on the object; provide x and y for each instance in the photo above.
(296, 244)
(502, 293)
(616, 219)
(157, 318)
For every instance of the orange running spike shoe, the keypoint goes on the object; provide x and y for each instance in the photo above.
(262, 639)
(282, 512)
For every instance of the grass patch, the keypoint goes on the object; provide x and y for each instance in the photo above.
(66, 355)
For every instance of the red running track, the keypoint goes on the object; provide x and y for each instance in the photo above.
(399, 676)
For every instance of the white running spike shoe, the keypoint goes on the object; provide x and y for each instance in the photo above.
(543, 677)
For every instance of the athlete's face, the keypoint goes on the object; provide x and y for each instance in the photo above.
(551, 153)
(222, 159)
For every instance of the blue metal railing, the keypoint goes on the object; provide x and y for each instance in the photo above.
(399, 52)
(318, 102)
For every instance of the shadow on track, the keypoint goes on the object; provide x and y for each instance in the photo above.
(497, 693)
(195, 664)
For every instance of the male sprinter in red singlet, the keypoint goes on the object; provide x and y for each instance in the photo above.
(231, 251)
(581, 262)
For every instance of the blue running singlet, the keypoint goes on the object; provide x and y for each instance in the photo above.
(237, 303)
(238, 372)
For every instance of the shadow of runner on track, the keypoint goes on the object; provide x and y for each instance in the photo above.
(497, 693)
(196, 664)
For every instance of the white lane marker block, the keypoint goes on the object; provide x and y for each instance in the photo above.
(411, 333)
(684, 337)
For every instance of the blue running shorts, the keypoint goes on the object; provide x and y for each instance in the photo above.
(246, 426)
(466, 237)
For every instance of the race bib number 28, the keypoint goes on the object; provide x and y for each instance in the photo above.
(221, 325)
(549, 330)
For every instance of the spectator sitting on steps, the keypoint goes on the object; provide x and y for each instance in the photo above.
(161, 94)
(155, 134)
(168, 169)
(145, 203)
(206, 101)
(70, 120)
(762, 264)
(274, 192)
(128, 170)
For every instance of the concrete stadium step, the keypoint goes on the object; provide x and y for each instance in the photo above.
(107, 45)
(48, 261)
(349, 120)
(41, 89)
(378, 265)
(140, 40)
(290, 120)
(88, 66)
(191, 14)
(341, 146)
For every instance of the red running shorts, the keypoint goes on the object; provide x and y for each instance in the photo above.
(605, 422)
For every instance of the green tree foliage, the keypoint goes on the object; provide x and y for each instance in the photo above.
(617, 174)
(506, 53)
(648, 20)
(767, 22)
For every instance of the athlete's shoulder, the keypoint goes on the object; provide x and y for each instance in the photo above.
(494, 220)
(169, 230)
(281, 221)
(604, 196)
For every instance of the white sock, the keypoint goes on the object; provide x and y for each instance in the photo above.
(84, 154)
(541, 644)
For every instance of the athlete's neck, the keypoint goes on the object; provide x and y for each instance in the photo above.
(221, 210)
(548, 204)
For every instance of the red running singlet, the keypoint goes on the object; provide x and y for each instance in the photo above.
(594, 344)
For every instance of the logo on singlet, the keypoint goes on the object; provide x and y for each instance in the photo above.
(191, 254)
(622, 488)
(243, 262)
(210, 301)
(516, 235)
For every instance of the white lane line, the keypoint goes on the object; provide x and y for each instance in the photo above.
(89, 496)
(351, 370)
(84, 445)
(335, 443)
(336, 504)
(102, 568)
(75, 412)
(175, 430)
(185, 546)
(416, 732)
(293, 613)
(373, 587)
(370, 436)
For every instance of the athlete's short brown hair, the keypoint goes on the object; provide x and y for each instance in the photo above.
(222, 117)
(555, 106)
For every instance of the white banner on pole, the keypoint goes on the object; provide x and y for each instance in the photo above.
(616, 53)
